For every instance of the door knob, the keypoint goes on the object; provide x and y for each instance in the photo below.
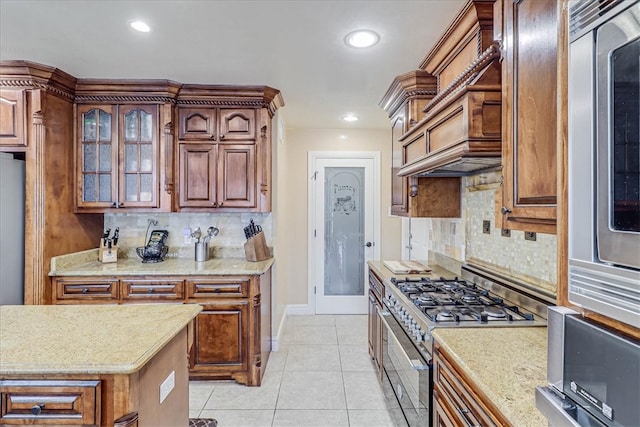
(368, 244)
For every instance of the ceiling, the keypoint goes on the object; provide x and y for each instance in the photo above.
(296, 46)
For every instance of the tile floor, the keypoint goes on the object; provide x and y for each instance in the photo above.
(321, 376)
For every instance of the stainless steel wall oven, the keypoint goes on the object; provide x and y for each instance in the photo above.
(604, 157)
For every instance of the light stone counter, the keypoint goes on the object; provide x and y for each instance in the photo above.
(86, 264)
(82, 339)
(506, 364)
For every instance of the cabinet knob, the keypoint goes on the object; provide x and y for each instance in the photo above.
(220, 204)
(150, 290)
(505, 210)
(114, 205)
(120, 205)
(37, 409)
(222, 136)
(85, 290)
(214, 204)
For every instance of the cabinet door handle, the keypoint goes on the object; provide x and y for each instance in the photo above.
(220, 204)
(505, 210)
(85, 290)
(214, 204)
(37, 409)
(463, 413)
(114, 205)
(150, 290)
(222, 136)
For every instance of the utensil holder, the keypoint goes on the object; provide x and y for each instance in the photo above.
(202, 251)
(256, 248)
(106, 254)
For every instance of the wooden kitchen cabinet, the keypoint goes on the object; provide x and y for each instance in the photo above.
(202, 124)
(118, 157)
(530, 59)
(376, 295)
(12, 118)
(231, 330)
(50, 402)
(232, 337)
(217, 176)
(85, 290)
(457, 401)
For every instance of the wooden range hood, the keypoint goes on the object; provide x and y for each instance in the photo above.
(460, 132)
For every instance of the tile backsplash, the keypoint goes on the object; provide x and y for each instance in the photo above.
(228, 243)
(462, 239)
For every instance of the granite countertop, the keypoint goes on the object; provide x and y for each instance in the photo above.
(86, 264)
(506, 364)
(82, 339)
(437, 271)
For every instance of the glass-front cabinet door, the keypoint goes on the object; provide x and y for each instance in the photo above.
(98, 162)
(117, 156)
(138, 157)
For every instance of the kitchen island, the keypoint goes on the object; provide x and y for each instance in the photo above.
(89, 365)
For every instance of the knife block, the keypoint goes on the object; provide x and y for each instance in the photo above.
(106, 254)
(255, 249)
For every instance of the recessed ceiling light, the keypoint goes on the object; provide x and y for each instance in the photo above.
(361, 38)
(140, 26)
(350, 118)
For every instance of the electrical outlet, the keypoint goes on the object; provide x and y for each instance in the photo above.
(505, 232)
(530, 235)
(486, 226)
(167, 385)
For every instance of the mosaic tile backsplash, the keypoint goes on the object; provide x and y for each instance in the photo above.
(229, 243)
(463, 239)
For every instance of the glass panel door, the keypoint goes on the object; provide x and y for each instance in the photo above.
(343, 198)
(139, 156)
(344, 231)
(97, 155)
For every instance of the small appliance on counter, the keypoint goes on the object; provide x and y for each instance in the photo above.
(155, 250)
(108, 251)
(255, 249)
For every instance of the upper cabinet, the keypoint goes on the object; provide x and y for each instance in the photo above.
(128, 134)
(529, 45)
(224, 148)
(12, 118)
(124, 145)
(118, 156)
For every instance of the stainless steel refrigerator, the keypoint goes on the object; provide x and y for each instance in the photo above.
(12, 184)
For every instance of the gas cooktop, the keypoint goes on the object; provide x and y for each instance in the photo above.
(454, 300)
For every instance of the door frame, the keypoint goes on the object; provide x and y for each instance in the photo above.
(314, 156)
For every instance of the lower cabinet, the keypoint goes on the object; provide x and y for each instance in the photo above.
(376, 293)
(232, 334)
(50, 402)
(457, 401)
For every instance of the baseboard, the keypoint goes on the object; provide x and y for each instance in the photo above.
(290, 310)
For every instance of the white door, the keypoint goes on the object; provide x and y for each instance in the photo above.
(344, 195)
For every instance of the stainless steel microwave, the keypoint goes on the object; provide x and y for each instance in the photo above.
(604, 157)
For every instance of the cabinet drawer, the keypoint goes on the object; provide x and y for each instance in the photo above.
(99, 291)
(454, 392)
(152, 290)
(218, 288)
(56, 402)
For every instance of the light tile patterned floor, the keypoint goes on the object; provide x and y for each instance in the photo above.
(321, 376)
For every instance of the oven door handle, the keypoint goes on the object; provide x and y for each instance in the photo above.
(416, 364)
(551, 407)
